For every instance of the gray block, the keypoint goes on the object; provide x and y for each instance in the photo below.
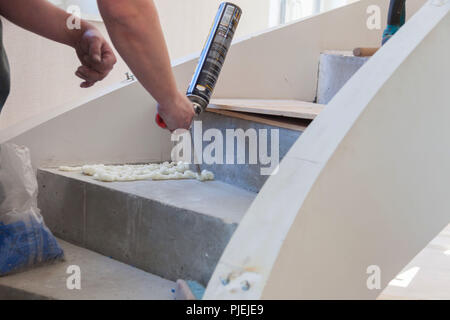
(173, 229)
(100, 278)
(335, 69)
(111, 218)
(246, 176)
(64, 209)
(188, 247)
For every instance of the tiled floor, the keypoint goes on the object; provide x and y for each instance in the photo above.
(427, 276)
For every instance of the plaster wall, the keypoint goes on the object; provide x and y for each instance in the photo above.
(43, 71)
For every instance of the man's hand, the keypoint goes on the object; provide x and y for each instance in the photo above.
(47, 20)
(177, 114)
(96, 56)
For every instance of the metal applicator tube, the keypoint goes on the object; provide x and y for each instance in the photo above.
(212, 58)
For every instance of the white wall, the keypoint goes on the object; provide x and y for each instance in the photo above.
(256, 67)
(283, 63)
(187, 22)
(297, 9)
(43, 72)
(42, 75)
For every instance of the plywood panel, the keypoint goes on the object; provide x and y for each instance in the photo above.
(285, 108)
(281, 122)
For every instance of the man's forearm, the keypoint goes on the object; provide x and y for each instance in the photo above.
(42, 18)
(136, 32)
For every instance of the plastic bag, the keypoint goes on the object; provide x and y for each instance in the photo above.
(25, 241)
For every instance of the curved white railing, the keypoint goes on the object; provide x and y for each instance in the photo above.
(363, 190)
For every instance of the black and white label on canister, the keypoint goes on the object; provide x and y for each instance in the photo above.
(214, 54)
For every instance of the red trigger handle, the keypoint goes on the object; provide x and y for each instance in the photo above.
(160, 122)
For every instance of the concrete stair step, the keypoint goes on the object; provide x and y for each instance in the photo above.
(335, 69)
(101, 278)
(174, 229)
(248, 176)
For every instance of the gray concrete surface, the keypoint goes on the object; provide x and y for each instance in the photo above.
(174, 229)
(335, 69)
(246, 176)
(101, 278)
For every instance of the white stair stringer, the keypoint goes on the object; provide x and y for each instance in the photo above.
(363, 189)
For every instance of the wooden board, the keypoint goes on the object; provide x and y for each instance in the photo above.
(285, 108)
(365, 52)
(276, 121)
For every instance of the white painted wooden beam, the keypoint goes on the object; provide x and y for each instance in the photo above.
(365, 185)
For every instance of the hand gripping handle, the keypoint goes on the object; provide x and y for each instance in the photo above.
(160, 122)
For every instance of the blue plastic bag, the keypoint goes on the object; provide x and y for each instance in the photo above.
(25, 241)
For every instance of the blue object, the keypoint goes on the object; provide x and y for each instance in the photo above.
(25, 244)
(197, 289)
(392, 29)
(389, 32)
